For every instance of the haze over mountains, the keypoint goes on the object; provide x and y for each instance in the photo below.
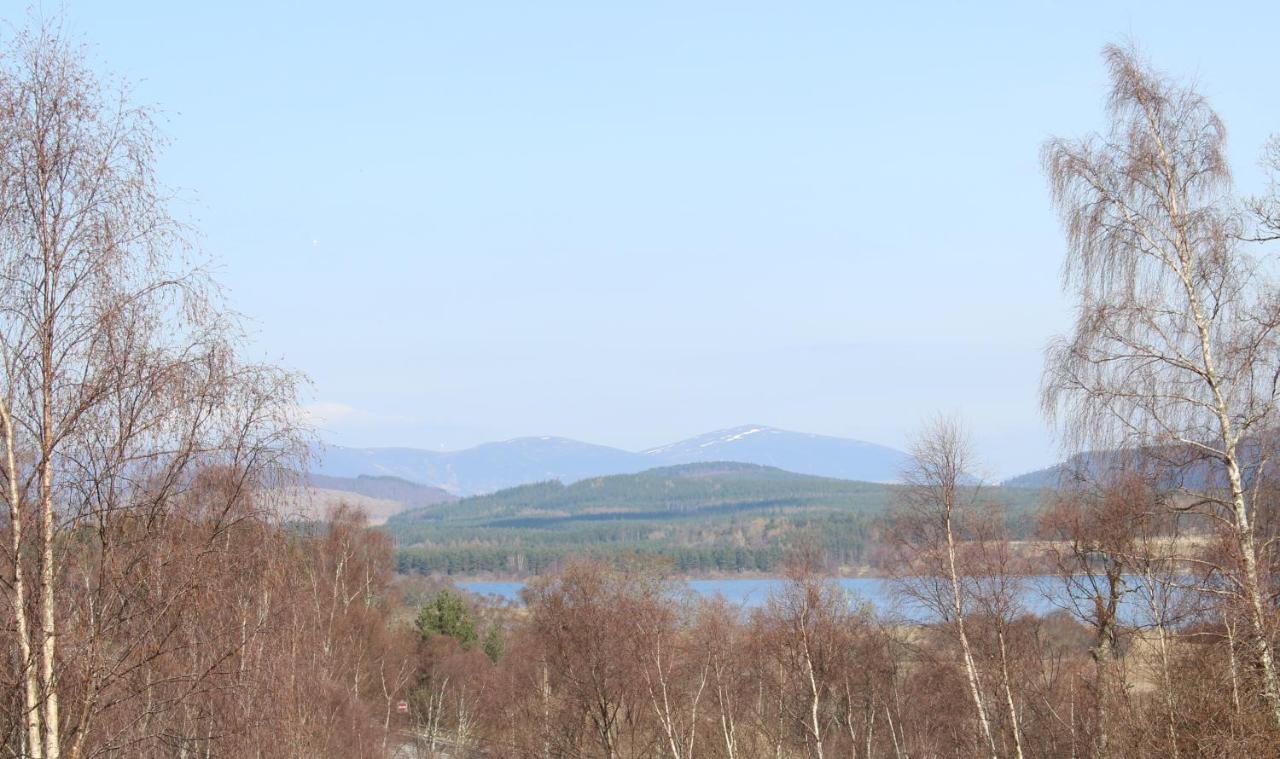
(494, 466)
(385, 487)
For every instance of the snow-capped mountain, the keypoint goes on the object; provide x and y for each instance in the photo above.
(493, 466)
(799, 452)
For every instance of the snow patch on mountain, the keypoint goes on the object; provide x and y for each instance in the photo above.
(493, 466)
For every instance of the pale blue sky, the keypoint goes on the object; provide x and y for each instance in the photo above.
(631, 223)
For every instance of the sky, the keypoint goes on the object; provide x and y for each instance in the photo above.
(630, 223)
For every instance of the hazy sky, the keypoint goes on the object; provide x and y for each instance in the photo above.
(629, 223)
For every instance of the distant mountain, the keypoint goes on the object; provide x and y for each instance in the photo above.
(494, 466)
(484, 468)
(803, 453)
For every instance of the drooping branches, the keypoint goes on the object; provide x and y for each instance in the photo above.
(1175, 348)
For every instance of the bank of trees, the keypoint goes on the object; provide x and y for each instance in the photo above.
(618, 662)
(537, 559)
(304, 643)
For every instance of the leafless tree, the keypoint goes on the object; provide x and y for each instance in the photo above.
(119, 381)
(674, 673)
(1093, 539)
(1174, 349)
(808, 618)
(717, 642)
(584, 619)
(930, 569)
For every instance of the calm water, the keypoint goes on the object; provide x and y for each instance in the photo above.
(1038, 596)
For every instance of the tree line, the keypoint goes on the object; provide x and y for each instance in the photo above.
(534, 560)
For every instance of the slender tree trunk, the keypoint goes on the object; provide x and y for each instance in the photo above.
(777, 744)
(1166, 681)
(1253, 592)
(1251, 582)
(1008, 694)
(386, 693)
(893, 733)
(727, 727)
(663, 709)
(1102, 716)
(49, 634)
(1071, 719)
(31, 687)
(1104, 656)
(848, 720)
(1233, 669)
(1170, 707)
(966, 651)
(727, 730)
(815, 725)
(545, 692)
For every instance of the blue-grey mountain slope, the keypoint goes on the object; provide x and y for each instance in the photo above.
(1173, 466)
(484, 468)
(803, 453)
(494, 466)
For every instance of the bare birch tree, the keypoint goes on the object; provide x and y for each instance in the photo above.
(119, 381)
(1093, 543)
(927, 534)
(1175, 342)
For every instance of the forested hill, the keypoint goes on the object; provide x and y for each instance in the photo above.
(687, 489)
(712, 517)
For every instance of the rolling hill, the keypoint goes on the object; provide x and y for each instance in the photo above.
(665, 492)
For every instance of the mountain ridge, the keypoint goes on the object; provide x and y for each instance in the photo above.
(494, 466)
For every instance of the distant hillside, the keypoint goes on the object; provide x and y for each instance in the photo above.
(410, 494)
(313, 503)
(1048, 477)
(1174, 466)
(706, 517)
(494, 466)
